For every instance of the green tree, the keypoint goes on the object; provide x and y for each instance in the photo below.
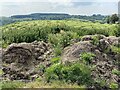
(114, 18)
(108, 19)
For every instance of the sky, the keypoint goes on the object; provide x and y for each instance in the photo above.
(72, 7)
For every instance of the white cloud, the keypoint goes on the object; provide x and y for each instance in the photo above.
(57, 6)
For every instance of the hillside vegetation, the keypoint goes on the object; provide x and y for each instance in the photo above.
(54, 31)
(51, 16)
(60, 54)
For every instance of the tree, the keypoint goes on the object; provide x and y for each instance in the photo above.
(114, 18)
(108, 19)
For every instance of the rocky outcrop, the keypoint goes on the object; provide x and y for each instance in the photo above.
(21, 60)
(105, 59)
(72, 53)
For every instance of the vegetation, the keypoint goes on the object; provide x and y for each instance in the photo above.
(75, 73)
(8, 85)
(51, 16)
(87, 57)
(112, 19)
(58, 33)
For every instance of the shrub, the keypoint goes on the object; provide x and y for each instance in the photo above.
(62, 39)
(58, 50)
(77, 73)
(100, 82)
(95, 40)
(117, 72)
(87, 57)
(74, 73)
(53, 72)
(115, 49)
(117, 32)
(114, 86)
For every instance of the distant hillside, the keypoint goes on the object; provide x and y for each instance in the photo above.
(43, 16)
(51, 16)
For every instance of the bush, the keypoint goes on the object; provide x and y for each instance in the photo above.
(115, 49)
(62, 39)
(58, 50)
(115, 71)
(117, 32)
(114, 86)
(74, 73)
(53, 72)
(95, 40)
(87, 57)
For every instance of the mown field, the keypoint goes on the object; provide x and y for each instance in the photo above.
(60, 34)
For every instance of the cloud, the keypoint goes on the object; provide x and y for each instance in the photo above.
(58, 6)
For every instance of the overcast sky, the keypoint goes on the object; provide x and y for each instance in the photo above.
(81, 7)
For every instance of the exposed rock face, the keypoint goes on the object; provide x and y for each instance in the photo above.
(105, 59)
(20, 60)
(72, 53)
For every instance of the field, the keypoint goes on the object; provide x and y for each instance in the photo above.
(60, 34)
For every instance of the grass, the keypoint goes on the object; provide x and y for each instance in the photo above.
(54, 84)
(12, 85)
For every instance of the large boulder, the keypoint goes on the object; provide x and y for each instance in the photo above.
(21, 60)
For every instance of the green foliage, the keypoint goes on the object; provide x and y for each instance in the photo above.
(50, 31)
(114, 18)
(11, 85)
(115, 49)
(87, 57)
(117, 32)
(101, 82)
(75, 73)
(55, 60)
(114, 86)
(58, 50)
(95, 40)
(1, 72)
(108, 19)
(117, 72)
(62, 39)
(53, 72)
